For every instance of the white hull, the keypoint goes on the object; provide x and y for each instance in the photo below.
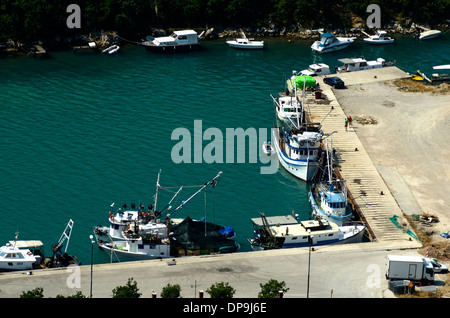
(427, 35)
(376, 41)
(246, 44)
(123, 252)
(302, 169)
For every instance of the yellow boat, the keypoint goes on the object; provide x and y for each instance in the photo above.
(417, 77)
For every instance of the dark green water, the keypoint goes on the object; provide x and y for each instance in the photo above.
(81, 131)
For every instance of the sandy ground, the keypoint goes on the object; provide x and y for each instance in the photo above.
(409, 145)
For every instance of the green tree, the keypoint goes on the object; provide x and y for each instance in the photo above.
(38, 292)
(78, 294)
(221, 290)
(130, 290)
(272, 288)
(171, 291)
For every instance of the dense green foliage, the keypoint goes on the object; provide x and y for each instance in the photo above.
(272, 288)
(130, 290)
(46, 19)
(221, 290)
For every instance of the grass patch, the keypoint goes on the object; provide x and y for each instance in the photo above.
(412, 86)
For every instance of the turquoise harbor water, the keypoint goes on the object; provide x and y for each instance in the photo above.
(81, 131)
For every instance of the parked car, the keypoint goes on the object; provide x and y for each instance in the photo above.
(334, 81)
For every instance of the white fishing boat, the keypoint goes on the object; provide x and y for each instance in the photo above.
(178, 41)
(297, 144)
(379, 38)
(111, 50)
(287, 107)
(329, 198)
(134, 248)
(287, 232)
(330, 43)
(360, 64)
(428, 34)
(14, 259)
(245, 44)
(140, 233)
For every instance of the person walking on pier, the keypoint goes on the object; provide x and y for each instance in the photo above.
(349, 121)
(346, 124)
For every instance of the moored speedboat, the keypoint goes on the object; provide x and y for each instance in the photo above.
(245, 44)
(428, 34)
(379, 38)
(330, 43)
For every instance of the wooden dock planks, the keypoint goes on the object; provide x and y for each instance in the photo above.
(366, 186)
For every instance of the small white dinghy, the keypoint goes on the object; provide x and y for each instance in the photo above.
(112, 49)
(245, 43)
(267, 148)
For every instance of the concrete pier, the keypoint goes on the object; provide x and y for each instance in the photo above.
(367, 187)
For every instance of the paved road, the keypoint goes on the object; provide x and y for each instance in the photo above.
(353, 270)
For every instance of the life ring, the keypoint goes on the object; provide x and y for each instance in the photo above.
(111, 216)
(302, 143)
(29, 253)
(312, 143)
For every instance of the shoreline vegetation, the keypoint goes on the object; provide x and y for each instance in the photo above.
(26, 23)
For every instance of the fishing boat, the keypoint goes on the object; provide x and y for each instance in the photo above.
(379, 38)
(14, 259)
(140, 233)
(329, 198)
(297, 143)
(22, 252)
(287, 106)
(361, 64)
(178, 41)
(288, 232)
(330, 43)
(111, 50)
(440, 77)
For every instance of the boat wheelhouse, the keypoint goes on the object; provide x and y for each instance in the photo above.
(317, 69)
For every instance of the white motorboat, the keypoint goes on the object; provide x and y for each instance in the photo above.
(246, 44)
(329, 43)
(178, 41)
(428, 34)
(316, 70)
(111, 50)
(14, 259)
(287, 232)
(379, 38)
(360, 64)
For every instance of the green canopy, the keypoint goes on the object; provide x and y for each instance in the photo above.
(308, 80)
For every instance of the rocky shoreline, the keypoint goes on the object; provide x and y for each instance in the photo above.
(106, 39)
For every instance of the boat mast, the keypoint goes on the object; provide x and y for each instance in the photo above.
(156, 194)
(212, 183)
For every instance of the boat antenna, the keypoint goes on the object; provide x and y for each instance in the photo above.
(212, 182)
